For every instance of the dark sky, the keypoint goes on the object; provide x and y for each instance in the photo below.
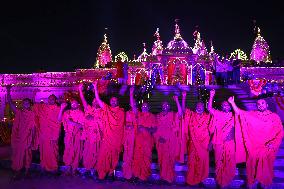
(63, 35)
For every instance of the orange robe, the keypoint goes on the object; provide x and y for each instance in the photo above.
(182, 140)
(49, 129)
(72, 140)
(198, 154)
(144, 143)
(259, 129)
(128, 143)
(224, 146)
(36, 130)
(92, 134)
(168, 152)
(21, 139)
(111, 146)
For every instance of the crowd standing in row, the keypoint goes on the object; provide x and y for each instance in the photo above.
(100, 132)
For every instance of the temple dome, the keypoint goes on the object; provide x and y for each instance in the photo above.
(177, 45)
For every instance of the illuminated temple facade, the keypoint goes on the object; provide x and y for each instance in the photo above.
(177, 63)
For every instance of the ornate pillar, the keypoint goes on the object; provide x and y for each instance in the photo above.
(208, 77)
(189, 75)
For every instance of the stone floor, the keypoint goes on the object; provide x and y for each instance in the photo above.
(63, 182)
(76, 182)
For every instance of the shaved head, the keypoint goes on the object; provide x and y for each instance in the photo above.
(261, 105)
(226, 106)
(199, 107)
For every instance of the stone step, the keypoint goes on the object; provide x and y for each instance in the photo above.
(238, 181)
(279, 173)
(241, 96)
(233, 87)
(157, 102)
(277, 180)
(278, 167)
(154, 168)
(280, 153)
(169, 88)
(180, 178)
(238, 91)
(279, 162)
(170, 94)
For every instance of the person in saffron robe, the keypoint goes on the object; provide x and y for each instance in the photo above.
(111, 145)
(49, 130)
(73, 121)
(223, 142)
(129, 137)
(197, 128)
(120, 70)
(182, 131)
(22, 135)
(167, 144)
(144, 143)
(262, 134)
(92, 133)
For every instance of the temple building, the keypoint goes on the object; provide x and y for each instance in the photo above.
(177, 63)
(174, 64)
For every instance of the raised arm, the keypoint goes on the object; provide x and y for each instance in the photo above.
(210, 102)
(183, 101)
(100, 102)
(62, 108)
(180, 112)
(231, 100)
(84, 102)
(12, 105)
(132, 101)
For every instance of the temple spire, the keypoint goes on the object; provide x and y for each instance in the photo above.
(198, 41)
(258, 31)
(104, 54)
(144, 55)
(144, 48)
(177, 30)
(211, 48)
(260, 49)
(158, 46)
(157, 34)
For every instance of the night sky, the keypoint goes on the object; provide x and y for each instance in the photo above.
(64, 35)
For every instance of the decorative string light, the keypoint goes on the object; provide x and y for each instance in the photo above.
(54, 79)
(260, 50)
(177, 45)
(177, 49)
(143, 57)
(157, 48)
(241, 55)
(122, 56)
(199, 46)
(104, 54)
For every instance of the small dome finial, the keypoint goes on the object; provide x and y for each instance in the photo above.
(258, 31)
(177, 30)
(157, 34)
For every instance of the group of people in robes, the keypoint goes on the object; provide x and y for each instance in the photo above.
(97, 133)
